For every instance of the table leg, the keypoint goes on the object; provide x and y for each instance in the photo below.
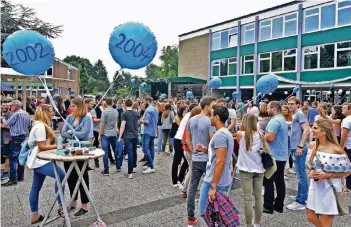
(64, 207)
(80, 174)
(45, 221)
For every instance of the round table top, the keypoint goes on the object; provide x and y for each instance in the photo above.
(50, 156)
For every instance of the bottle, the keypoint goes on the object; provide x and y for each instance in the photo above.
(59, 143)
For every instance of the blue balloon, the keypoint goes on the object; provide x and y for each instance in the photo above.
(54, 89)
(189, 94)
(132, 82)
(313, 92)
(163, 96)
(132, 45)
(296, 89)
(227, 99)
(331, 86)
(28, 52)
(143, 87)
(236, 95)
(125, 94)
(267, 84)
(215, 83)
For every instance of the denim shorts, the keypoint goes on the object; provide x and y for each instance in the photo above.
(5, 150)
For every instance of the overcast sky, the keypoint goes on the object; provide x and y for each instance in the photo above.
(88, 24)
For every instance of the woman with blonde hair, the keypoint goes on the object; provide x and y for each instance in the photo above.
(251, 167)
(328, 163)
(42, 138)
(81, 124)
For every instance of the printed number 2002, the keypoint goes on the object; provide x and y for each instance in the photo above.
(129, 46)
(23, 55)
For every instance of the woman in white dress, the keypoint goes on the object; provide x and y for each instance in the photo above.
(327, 160)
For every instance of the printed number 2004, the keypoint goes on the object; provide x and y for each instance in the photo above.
(129, 46)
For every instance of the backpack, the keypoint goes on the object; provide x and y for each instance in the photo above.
(25, 150)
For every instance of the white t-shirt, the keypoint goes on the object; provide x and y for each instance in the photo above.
(37, 133)
(346, 123)
(232, 116)
(182, 125)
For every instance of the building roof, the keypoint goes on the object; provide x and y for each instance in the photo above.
(245, 16)
(177, 80)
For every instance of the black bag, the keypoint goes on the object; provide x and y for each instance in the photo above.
(267, 160)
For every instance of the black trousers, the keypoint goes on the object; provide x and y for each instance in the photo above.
(278, 179)
(96, 144)
(348, 178)
(177, 159)
(72, 181)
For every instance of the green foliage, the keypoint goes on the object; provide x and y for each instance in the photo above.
(83, 80)
(169, 66)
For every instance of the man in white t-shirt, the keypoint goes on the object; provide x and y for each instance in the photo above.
(345, 140)
(231, 122)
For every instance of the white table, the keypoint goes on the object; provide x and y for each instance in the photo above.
(50, 156)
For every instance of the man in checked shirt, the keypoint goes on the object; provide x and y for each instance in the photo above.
(19, 124)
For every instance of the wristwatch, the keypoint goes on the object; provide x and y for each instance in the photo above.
(212, 187)
(300, 147)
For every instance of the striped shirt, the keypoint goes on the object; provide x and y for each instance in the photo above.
(109, 119)
(19, 123)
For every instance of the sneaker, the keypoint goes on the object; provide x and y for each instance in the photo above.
(296, 206)
(130, 176)
(105, 173)
(175, 186)
(291, 171)
(145, 167)
(149, 170)
(191, 223)
(180, 186)
(255, 225)
(112, 161)
(134, 170)
(5, 176)
(118, 170)
(262, 191)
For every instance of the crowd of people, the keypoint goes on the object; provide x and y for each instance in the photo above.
(208, 139)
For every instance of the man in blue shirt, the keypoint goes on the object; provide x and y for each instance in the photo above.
(150, 126)
(277, 138)
(312, 112)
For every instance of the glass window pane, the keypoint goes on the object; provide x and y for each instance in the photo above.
(277, 61)
(344, 16)
(328, 16)
(215, 70)
(289, 17)
(267, 22)
(344, 58)
(232, 60)
(250, 36)
(265, 66)
(224, 39)
(265, 33)
(277, 29)
(345, 3)
(290, 28)
(216, 44)
(224, 67)
(249, 57)
(311, 49)
(250, 26)
(232, 69)
(265, 55)
(311, 23)
(344, 45)
(233, 31)
(233, 40)
(216, 35)
(326, 56)
(290, 63)
(311, 61)
(289, 52)
(311, 11)
(248, 67)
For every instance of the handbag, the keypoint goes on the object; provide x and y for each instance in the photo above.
(268, 161)
(340, 200)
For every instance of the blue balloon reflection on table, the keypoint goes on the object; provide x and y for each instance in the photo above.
(28, 52)
(215, 83)
(132, 45)
(267, 84)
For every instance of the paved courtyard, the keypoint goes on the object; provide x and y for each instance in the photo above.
(146, 200)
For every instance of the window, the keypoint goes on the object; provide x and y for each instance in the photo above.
(312, 20)
(266, 30)
(216, 41)
(326, 58)
(232, 66)
(49, 72)
(343, 54)
(277, 27)
(224, 39)
(223, 67)
(215, 68)
(344, 13)
(265, 62)
(248, 34)
(289, 60)
(247, 65)
(277, 61)
(290, 22)
(69, 74)
(233, 37)
(311, 57)
(328, 16)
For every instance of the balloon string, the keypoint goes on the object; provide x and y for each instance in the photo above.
(43, 81)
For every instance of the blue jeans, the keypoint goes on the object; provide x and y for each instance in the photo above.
(149, 149)
(39, 175)
(16, 145)
(300, 166)
(197, 170)
(106, 142)
(159, 139)
(131, 147)
(205, 188)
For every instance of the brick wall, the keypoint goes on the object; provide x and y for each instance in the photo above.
(193, 57)
(61, 71)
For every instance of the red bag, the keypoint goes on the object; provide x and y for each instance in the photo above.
(185, 147)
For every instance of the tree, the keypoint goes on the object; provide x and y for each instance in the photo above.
(100, 74)
(17, 17)
(79, 62)
(83, 80)
(151, 71)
